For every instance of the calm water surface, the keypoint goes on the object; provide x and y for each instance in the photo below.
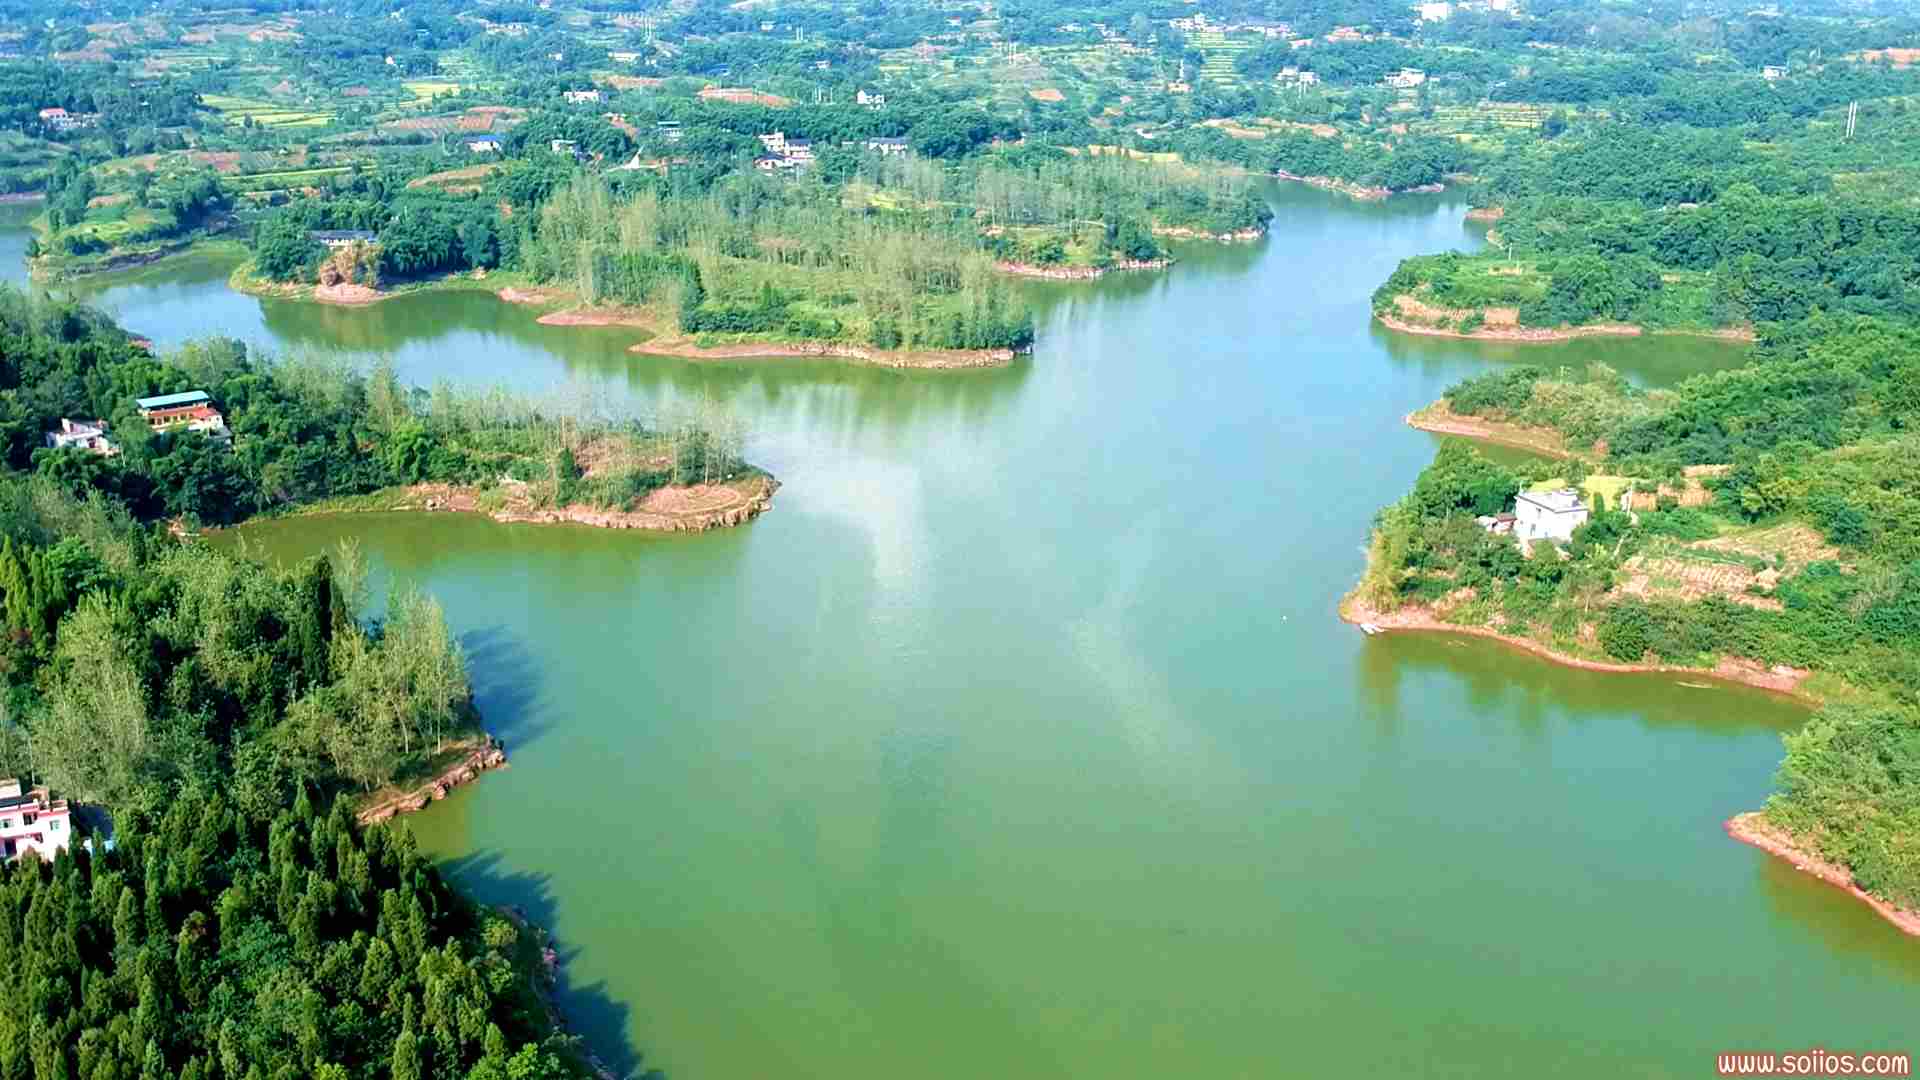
(1020, 739)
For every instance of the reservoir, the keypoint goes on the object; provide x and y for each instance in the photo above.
(1021, 739)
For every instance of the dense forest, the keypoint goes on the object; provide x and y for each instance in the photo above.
(209, 704)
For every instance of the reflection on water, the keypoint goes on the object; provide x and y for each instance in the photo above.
(1022, 727)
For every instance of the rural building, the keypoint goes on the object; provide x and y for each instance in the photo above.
(1405, 79)
(484, 145)
(1434, 11)
(774, 141)
(668, 130)
(800, 151)
(564, 146)
(335, 239)
(81, 435)
(192, 410)
(1497, 524)
(1773, 74)
(33, 821)
(1548, 515)
(871, 101)
(61, 120)
(891, 144)
(581, 97)
(624, 57)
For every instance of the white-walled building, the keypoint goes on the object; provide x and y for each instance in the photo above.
(80, 435)
(33, 821)
(1548, 515)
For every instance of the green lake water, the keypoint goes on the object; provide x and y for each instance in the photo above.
(1020, 739)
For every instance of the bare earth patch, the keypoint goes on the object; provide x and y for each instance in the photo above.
(1652, 576)
(1414, 316)
(687, 508)
(1440, 419)
(347, 293)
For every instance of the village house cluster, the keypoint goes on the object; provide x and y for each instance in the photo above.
(33, 821)
(189, 411)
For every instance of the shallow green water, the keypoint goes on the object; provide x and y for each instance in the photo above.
(1020, 740)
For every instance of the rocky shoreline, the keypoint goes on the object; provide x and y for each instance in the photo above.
(686, 349)
(546, 987)
(1236, 236)
(1357, 191)
(1078, 273)
(925, 359)
(1754, 828)
(482, 754)
(1537, 335)
(696, 508)
(1441, 420)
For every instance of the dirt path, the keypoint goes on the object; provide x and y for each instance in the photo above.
(1753, 828)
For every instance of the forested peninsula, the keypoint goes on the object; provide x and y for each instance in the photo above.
(1763, 523)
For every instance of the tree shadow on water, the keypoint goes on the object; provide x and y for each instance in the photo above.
(506, 684)
(590, 1012)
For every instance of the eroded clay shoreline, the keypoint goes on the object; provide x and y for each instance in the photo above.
(1440, 420)
(1754, 828)
(1778, 679)
(685, 349)
(1078, 273)
(1357, 191)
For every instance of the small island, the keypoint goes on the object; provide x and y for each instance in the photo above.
(877, 265)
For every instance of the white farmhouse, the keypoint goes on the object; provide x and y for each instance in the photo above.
(33, 821)
(1548, 515)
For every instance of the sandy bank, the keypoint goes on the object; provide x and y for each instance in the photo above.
(1753, 828)
(1486, 213)
(470, 758)
(1779, 679)
(1441, 420)
(348, 294)
(1078, 273)
(1237, 236)
(1357, 191)
(927, 359)
(1526, 334)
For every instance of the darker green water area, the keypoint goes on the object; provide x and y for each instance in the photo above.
(1020, 739)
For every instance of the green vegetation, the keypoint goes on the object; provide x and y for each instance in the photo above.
(306, 431)
(206, 702)
(1801, 548)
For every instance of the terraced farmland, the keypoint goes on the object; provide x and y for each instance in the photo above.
(238, 110)
(1220, 52)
